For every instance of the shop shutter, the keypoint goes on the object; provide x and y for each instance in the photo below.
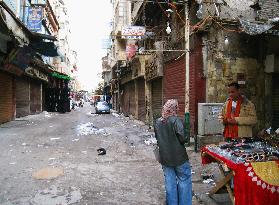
(156, 98)
(174, 83)
(6, 98)
(22, 95)
(125, 101)
(275, 102)
(132, 97)
(35, 97)
(141, 99)
(128, 99)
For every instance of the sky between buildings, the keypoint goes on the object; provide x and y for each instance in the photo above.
(90, 24)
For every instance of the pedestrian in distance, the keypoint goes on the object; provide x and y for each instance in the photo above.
(238, 114)
(169, 132)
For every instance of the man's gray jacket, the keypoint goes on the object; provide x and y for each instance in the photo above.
(171, 139)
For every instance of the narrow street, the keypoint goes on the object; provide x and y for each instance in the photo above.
(32, 146)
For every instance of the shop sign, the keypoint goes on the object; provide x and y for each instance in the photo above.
(38, 2)
(133, 32)
(18, 60)
(35, 16)
(36, 74)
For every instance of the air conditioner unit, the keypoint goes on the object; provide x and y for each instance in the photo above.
(208, 123)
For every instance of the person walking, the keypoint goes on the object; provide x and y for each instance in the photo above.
(169, 132)
(238, 114)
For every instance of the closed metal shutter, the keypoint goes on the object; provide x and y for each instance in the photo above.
(275, 102)
(132, 97)
(128, 99)
(156, 93)
(125, 101)
(6, 98)
(141, 99)
(35, 97)
(174, 83)
(22, 94)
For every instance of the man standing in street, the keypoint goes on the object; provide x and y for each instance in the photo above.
(238, 114)
(169, 132)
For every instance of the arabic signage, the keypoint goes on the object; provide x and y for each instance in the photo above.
(34, 21)
(18, 60)
(36, 74)
(133, 32)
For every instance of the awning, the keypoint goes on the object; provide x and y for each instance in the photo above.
(60, 76)
(254, 28)
(43, 36)
(45, 48)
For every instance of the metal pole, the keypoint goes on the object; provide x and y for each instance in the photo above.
(187, 72)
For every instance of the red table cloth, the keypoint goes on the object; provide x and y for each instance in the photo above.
(255, 183)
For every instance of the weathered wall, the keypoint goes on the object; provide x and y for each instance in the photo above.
(229, 9)
(237, 60)
(268, 9)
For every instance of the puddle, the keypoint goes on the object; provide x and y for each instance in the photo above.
(48, 173)
(53, 195)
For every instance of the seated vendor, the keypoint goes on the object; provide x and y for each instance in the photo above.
(238, 114)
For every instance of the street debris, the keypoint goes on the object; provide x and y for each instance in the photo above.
(207, 181)
(89, 128)
(151, 141)
(12, 163)
(55, 138)
(84, 152)
(53, 195)
(101, 151)
(48, 173)
(75, 140)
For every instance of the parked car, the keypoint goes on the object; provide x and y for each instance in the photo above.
(102, 107)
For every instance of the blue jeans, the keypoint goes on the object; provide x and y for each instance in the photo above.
(178, 184)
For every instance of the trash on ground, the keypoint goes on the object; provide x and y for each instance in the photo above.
(84, 152)
(53, 195)
(89, 128)
(12, 163)
(207, 181)
(55, 138)
(75, 140)
(48, 173)
(101, 151)
(150, 141)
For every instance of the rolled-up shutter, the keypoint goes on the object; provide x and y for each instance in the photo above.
(174, 83)
(6, 98)
(156, 98)
(22, 94)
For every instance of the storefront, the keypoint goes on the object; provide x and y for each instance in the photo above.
(7, 99)
(275, 101)
(35, 96)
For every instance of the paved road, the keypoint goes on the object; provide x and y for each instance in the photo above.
(52, 158)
